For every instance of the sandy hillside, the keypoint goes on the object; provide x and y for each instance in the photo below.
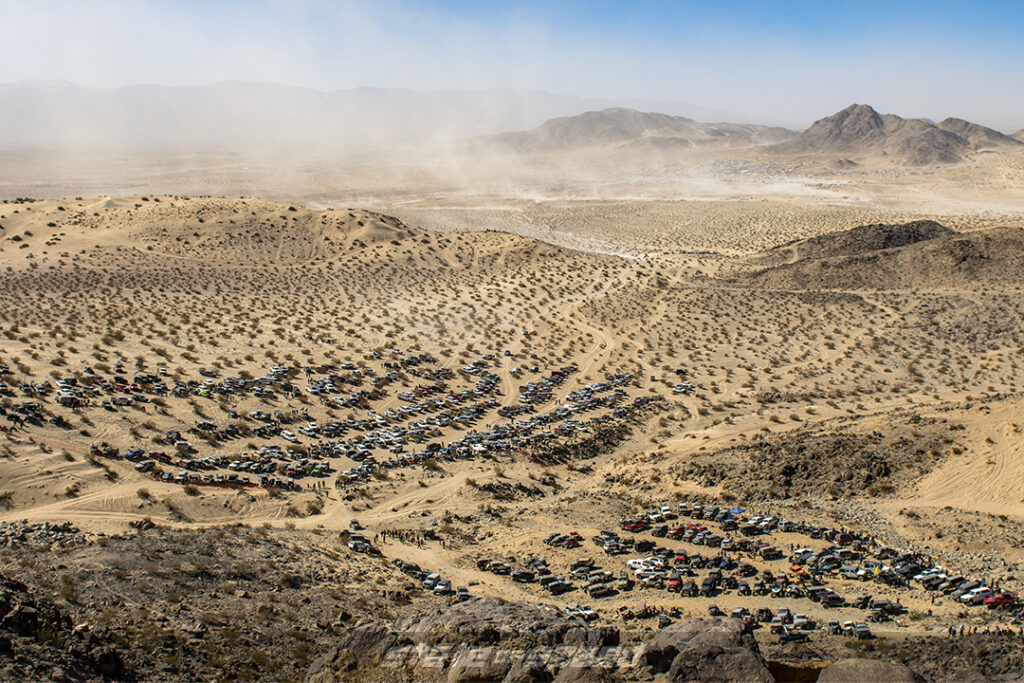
(234, 287)
(476, 372)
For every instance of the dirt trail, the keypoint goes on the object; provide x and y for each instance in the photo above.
(989, 477)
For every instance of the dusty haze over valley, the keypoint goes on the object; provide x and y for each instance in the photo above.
(495, 380)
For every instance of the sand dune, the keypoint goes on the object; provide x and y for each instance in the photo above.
(988, 475)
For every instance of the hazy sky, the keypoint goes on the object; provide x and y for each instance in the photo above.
(779, 62)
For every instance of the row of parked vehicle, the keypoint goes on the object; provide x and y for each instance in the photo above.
(377, 431)
(499, 438)
(541, 391)
(676, 569)
(536, 571)
(147, 463)
(851, 557)
(25, 411)
(431, 581)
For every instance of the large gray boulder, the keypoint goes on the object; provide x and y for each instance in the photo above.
(479, 664)
(365, 644)
(529, 668)
(482, 639)
(705, 649)
(857, 670)
(486, 621)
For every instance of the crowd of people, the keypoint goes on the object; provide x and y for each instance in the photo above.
(416, 538)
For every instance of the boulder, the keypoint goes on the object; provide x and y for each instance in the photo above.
(479, 664)
(856, 670)
(485, 621)
(488, 621)
(713, 663)
(481, 639)
(321, 670)
(529, 668)
(109, 663)
(705, 649)
(370, 641)
(585, 674)
(23, 620)
(365, 645)
(591, 636)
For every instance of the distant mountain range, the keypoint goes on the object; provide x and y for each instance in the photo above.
(856, 135)
(253, 117)
(861, 133)
(240, 115)
(630, 129)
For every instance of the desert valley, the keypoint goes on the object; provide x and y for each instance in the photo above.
(617, 396)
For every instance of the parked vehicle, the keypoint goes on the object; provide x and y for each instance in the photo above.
(787, 635)
(977, 596)
(1001, 600)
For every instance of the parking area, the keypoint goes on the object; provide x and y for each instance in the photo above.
(794, 579)
(297, 427)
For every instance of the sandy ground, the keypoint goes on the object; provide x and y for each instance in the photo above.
(622, 280)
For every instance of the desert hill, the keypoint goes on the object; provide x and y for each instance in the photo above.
(770, 391)
(919, 255)
(861, 133)
(979, 137)
(1019, 134)
(630, 128)
(858, 240)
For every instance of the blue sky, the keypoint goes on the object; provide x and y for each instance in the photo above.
(782, 62)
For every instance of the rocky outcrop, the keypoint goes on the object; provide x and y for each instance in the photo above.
(856, 670)
(489, 639)
(39, 642)
(482, 639)
(364, 645)
(54, 536)
(872, 257)
(862, 239)
(705, 649)
(982, 656)
(486, 621)
(823, 462)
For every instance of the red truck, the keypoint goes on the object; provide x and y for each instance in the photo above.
(1001, 600)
